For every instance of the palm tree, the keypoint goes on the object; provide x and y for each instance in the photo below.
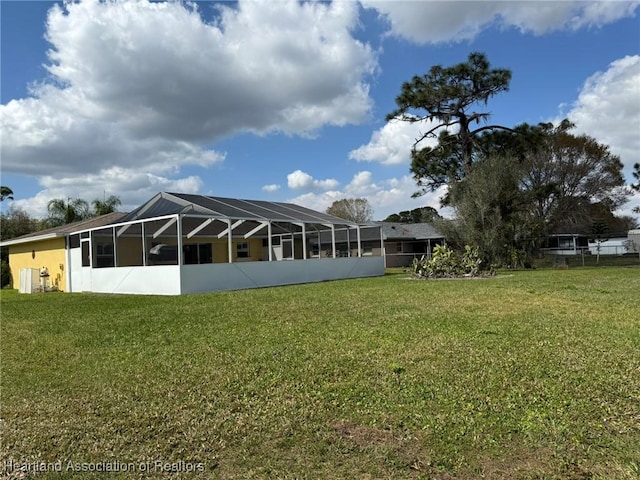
(5, 192)
(109, 205)
(62, 212)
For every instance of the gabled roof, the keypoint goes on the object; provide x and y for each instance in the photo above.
(409, 231)
(66, 230)
(165, 203)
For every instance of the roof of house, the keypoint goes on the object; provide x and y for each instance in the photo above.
(165, 203)
(66, 230)
(409, 231)
(390, 231)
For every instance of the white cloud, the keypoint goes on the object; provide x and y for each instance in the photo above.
(271, 188)
(391, 144)
(300, 180)
(149, 86)
(131, 186)
(608, 109)
(385, 197)
(440, 21)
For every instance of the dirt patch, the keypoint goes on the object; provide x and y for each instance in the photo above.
(410, 453)
(395, 450)
(481, 277)
(363, 435)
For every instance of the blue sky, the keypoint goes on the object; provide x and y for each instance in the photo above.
(284, 100)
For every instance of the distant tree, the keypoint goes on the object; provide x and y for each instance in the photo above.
(417, 215)
(5, 192)
(569, 180)
(356, 210)
(108, 205)
(491, 213)
(16, 222)
(62, 212)
(572, 179)
(449, 96)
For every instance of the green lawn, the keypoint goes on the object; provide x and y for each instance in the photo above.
(534, 375)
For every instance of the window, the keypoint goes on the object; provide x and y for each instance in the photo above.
(74, 241)
(197, 253)
(86, 262)
(104, 255)
(399, 247)
(242, 250)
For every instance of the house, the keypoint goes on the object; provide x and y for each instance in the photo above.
(400, 243)
(565, 244)
(405, 241)
(180, 243)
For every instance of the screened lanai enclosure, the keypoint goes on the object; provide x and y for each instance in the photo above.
(180, 243)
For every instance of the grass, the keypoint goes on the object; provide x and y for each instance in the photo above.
(535, 375)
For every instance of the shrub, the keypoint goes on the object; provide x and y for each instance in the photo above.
(5, 274)
(446, 263)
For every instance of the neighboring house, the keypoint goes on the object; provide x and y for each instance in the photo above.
(405, 241)
(577, 244)
(178, 243)
(566, 244)
(400, 242)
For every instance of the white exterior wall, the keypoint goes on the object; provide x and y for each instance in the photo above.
(237, 276)
(74, 256)
(613, 246)
(154, 280)
(174, 280)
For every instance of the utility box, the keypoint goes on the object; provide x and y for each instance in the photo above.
(29, 280)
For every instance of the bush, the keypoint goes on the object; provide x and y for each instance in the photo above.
(446, 263)
(5, 274)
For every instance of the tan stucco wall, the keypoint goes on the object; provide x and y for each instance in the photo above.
(220, 254)
(48, 253)
(129, 251)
